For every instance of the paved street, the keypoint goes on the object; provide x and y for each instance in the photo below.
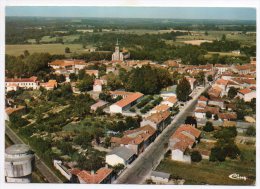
(40, 165)
(143, 165)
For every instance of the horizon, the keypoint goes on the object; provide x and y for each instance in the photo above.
(193, 13)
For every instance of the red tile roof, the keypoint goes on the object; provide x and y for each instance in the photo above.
(232, 115)
(190, 129)
(171, 99)
(129, 99)
(31, 79)
(67, 62)
(203, 98)
(159, 117)
(245, 91)
(222, 82)
(96, 178)
(161, 108)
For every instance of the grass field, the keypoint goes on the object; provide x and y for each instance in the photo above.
(50, 48)
(214, 173)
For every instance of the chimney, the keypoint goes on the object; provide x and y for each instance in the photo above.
(92, 172)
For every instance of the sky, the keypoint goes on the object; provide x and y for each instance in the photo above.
(135, 12)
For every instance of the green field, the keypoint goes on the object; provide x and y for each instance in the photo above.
(214, 173)
(50, 48)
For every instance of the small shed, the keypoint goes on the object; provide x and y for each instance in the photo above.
(160, 177)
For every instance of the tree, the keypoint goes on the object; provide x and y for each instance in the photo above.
(86, 84)
(26, 53)
(216, 117)
(117, 168)
(200, 77)
(232, 92)
(81, 74)
(223, 38)
(73, 77)
(196, 156)
(251, 131)
(210, 78)
(191, 120)
(183, 90)
(217, 154)
(67, 50)
(208, 127)
(208, 114)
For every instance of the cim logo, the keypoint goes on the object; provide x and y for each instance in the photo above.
(236, 176)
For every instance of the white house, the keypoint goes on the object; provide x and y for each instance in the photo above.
(98, 83)
(26, 83)
(170, 101)
(126, 103)
(180, 153)
(246, 94)
(120, 155)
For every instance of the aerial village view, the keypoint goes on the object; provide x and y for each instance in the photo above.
(130, 100)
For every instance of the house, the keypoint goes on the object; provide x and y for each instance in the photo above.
(203, 100)
(126, 103)
(158, 121)
(50, 85)
(243, 69)
(170, 101)
(160, 177)
(62, 169)
(97, 105)
(92, 73)
(168, 91)
(201, 113)
(221, 83)
(123, 94)
(25, 83)
(110, 69)
(221, 68)
(120, 155)
(230, 116)
(102, 176)
(183, 139)
(136, 140)
(98, 83)
(67, 66)
(215, 92)
(217, 102)
(246, 94)
(160, 108)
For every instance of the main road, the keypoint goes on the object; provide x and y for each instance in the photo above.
(137, 172)
(40, 165)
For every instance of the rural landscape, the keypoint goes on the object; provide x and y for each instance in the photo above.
(99, 100)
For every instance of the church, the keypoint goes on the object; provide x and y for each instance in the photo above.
(117, 55)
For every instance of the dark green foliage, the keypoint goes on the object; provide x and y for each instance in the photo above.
(148, 80)
(191, 120)
(183, 90)
(196, 156)
(86, 83)
(67, 50)
(210, 78)
(73, 77)
(208, 127)
(251, 131)
(226, 133)
(221, 46)
(208, 115)
(16, 120)
(232, 92)
(144, 101)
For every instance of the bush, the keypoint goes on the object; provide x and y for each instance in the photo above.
(208, 127)
(251, 131)
(196, 156)
(209, 115)
(132, 110)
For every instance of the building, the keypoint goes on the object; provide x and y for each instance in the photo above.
(159, 121)
(137, 139)
(120, 155)
(62, 169)
(184, 138)
(19, 164)
(221, 68)
(192, 82)
(160, 177)
(126, 103)
(99, 104)
(25, 83)
(98, 83)
(50, 85)
(170, 101)
(203, 100)
(160, 108)
(92, 73)
(117, 55)
(246, 94)
(67, 66)
(102, 176)
(229, 116)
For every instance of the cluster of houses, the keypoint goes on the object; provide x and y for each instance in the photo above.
(182, 141)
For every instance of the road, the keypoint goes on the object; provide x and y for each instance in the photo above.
(137, 172)
(40, 165)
